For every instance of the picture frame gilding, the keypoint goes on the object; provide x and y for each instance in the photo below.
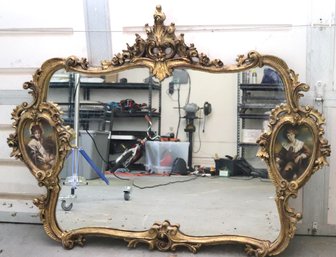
(163, 52)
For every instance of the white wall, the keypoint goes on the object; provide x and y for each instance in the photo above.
(223, 39)
(30, 33)
(220, 128)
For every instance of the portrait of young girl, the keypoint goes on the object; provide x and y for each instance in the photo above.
(41, 148)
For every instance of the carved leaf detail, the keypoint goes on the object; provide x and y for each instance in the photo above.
(35, 91)
(164, 237)
(252, 59)
(263, 142)
(258, 251)
(161, 46)
(74, 62)
(69, 240)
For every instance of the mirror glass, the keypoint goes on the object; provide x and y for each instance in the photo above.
(220, 115)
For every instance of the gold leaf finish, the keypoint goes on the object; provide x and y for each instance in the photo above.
(162, 52)
(164, 237)
(163, 48)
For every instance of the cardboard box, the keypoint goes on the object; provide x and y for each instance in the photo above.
(250, 135)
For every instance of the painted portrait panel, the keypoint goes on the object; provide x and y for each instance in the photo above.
(293, 150)
(40, 144)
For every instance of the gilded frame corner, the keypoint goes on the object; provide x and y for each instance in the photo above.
(162, 52)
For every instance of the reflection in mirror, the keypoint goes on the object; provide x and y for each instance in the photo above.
(219, 115)
(99, 94)
(260, 90)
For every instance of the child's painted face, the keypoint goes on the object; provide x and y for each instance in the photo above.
(290, 136)
(37, 134)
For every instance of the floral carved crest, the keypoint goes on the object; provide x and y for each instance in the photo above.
(162, 50)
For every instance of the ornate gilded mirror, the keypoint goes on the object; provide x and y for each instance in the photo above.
(292, 145)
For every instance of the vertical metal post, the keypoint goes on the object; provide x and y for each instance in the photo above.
(190, 149)
(160, 99)
(238, 118)
(76, 107)
(75, 179)
(76, 126)
(150, 95)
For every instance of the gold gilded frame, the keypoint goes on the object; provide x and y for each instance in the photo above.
(162, 51)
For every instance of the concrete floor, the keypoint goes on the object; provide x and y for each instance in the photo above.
(30, 240)
(216, 194)
(202, 205)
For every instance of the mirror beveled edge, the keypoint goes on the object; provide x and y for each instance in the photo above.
(162, 52)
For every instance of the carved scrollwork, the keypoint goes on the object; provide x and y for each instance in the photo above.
(305, 116)
(164, 237)
(265, 138)
(253, 58)
(260, 251)
(13, 140)
(42, 203)
(45, 114)
(69, 240)
(74, 62)
(325, 151)
(308, 119)
(34, 90)
(163, 48)
(286, 191)
(298, 87)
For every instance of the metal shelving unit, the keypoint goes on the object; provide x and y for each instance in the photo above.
(102, 114)
(255, 101)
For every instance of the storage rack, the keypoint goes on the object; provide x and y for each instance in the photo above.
(254, 101)
(101, 113)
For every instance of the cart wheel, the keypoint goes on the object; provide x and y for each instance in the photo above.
(127, 195)
(65, 206)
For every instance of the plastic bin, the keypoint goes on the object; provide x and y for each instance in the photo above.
(238, 167)
(225, 164)
(87, 144)
(161, 155)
